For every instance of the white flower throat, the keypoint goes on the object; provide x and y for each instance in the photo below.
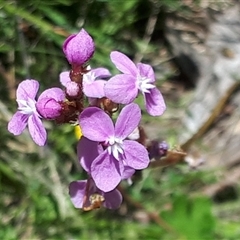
(27, 107)
(115, 147)
(144, 84)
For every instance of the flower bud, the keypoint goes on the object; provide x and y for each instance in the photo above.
(79, 48)
(157, 149)
(72, 89)
(49, 108)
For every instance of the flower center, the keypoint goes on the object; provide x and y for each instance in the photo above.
(144, 84)
(89, 77)
(115, 147)
(27, 107)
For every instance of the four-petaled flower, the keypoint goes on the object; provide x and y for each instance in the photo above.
(124, 88)
(93, 85)
(86, 156)
(27, 113)
(107, 169)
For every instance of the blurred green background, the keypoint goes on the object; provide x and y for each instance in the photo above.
(34, 201)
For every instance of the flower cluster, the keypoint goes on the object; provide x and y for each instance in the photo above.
(108, 150)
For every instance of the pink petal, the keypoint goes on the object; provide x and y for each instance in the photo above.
(106, 172)
(127, 120)
(136, 154)
(37, 130)
(64, 78)
(95, 89)
(127, 172)
(96, 125)
(55, 93)
(101, 72)
(113, 199)
(123, 63)
(87, 151)
(121, 89)
(18, 123)
(146, 71)
(77, 191)
(27, 89)
(154, 102)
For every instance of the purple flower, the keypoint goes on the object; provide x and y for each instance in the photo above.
(49, 103)
(108, 168)
(79, 48)
(124, 88)
(27, 113)
(88, 151)
(84, 194)
(93, 85)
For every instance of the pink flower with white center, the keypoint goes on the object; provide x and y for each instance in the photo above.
(88, 151)
(79, 48)
(27, 113)
(124, 88)
(93, 85)
(82, 192)
(107, 169)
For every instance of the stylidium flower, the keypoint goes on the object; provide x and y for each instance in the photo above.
(85, 194)
(108, 168)
(88, 151)
(124, 88)
(93, 85)
(49, 103)
(27, 113)
(79, 48)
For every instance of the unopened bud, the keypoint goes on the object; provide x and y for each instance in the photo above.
(72, 89)
(48, 108)
(79, 48)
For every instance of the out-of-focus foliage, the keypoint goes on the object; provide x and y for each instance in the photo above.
(34, 181)
(192, 218)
